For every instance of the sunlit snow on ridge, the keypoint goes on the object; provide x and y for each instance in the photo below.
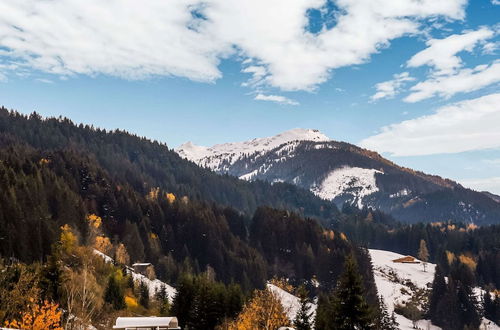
(212, 157)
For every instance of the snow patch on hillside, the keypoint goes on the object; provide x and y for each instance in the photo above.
(217, 156)
(393, 284)
(357, 181)
(392, 278)
(153, 285)
(290, 303)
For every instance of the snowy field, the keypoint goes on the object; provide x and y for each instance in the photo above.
(386, 272)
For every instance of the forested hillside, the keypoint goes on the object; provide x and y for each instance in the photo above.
(67, 189)
(146, 164)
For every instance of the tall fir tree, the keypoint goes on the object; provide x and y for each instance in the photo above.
(386, 321)
(350, 309)
(437, 293)
(144, 295)
(303, 318)
(113, 294)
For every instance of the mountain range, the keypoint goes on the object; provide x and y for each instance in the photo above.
(344, 173)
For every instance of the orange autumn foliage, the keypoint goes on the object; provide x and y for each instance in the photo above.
(468, 261)
(94, 220)
(38, 317)
(170, 197)
(264, 311)
(103, 244)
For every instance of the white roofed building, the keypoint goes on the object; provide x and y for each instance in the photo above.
(146, 323)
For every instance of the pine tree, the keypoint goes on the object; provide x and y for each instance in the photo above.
(161, 297)
(114, 294)
(438, 292)
(488, 306)
(469, 309)
(386, 322)
(350, 309)
(303, 318)
(144, 295)
(423, 253)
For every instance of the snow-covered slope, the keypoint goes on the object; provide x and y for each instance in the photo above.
(153, 285)
(360, 182)
(290, 303)
(392, 280)
(395, 280)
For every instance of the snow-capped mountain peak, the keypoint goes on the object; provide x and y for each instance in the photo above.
(235, 150)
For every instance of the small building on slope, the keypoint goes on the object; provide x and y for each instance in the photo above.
(407, 260)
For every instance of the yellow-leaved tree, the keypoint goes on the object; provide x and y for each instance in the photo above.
(263, 311)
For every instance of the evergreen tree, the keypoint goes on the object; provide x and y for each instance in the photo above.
(303, 318)
(161, 297)
(386, 322)
(350, 309)
(469, 309)
(448, 309)
(437, 293)
(488, 306)
(114, 295)
(144, 295)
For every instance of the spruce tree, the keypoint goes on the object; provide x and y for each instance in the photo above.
(161, 297)
(144, 295)
(114, 294)
(386, 322)
(469, 309)
(437, 294)
(350, 309)
(303, 318)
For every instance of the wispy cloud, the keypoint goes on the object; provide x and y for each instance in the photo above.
(441, 54)
(463, 126)
(276, 98)
(465, 80)
(45, 81)
(485, 184)
(389, 89)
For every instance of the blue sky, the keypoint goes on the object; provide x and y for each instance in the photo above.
(417, 81)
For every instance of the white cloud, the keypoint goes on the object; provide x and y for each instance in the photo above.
(465, 80)
(45, 81)
(125, 38)
(276, 98)
(389, 89)
(487, 184)
(490, 48)
(139, 39)
(495, 2)
(463, 126)
(441, 54)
